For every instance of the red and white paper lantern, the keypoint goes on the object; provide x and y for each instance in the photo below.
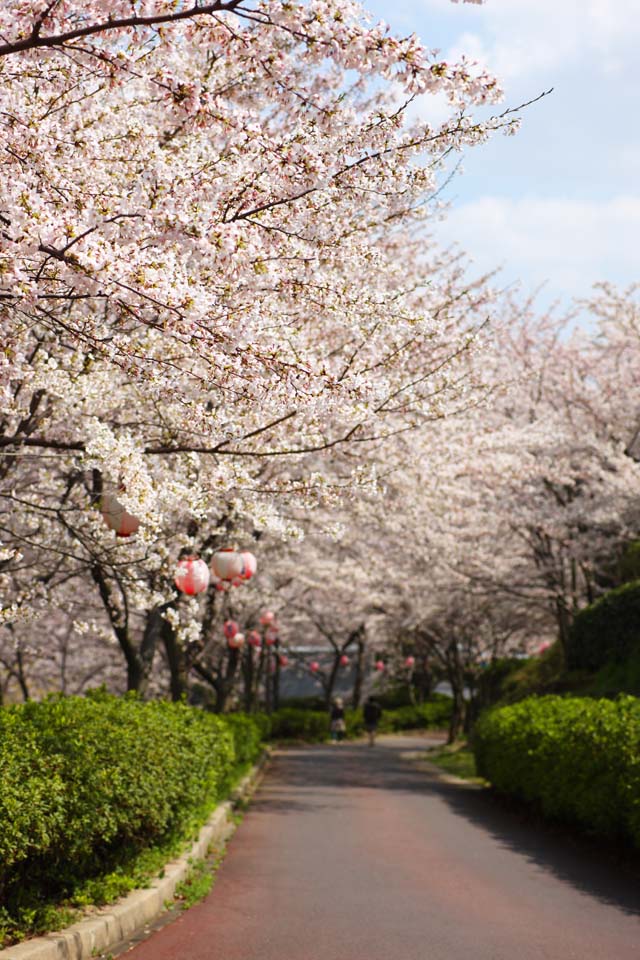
(267, 617)
(255, 640)
(192, 576)
(410, 662)
(227, 564)
(344, 660)
(230, 629)
(116, 517)
(314, 666)
(236, 641)
(379, 665)
(250, 565)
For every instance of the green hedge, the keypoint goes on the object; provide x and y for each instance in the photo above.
(435, 714)
(575, 759)
(608, 630)
(298, 724)
(88, 783)
(313, 725)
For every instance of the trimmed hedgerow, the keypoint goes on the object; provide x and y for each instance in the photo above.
(607, 631)
(313, 725)
(433, 714)
(294, 723)
(575, 759)
(89, 783)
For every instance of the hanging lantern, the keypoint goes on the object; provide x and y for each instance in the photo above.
(284, 661)
(314, 666)
(410, 662)
(236, 641)
(379, 666)
(270, 637)
(344, 660)
(192, 576)
(255, 640)
(250, 565)
(267, 617)
(116, 517)
(230, 629)
(227, 564)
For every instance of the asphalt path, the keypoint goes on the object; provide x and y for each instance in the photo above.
(355, 853)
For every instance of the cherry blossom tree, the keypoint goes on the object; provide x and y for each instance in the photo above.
(208, 213)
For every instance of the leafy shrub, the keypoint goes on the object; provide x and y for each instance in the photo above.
(435, 713)
(88, 783)
(396, 695)
(297, 724)
(575, 759)
(608, 630)
(247, 733)
(313, 725)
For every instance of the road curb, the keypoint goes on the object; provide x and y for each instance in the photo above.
(110, 925)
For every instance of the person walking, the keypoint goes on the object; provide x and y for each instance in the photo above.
(372, 712)
(338, 726)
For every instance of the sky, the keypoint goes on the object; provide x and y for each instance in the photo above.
(558, 205)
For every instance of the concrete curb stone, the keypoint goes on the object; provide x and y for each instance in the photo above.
(117, 922)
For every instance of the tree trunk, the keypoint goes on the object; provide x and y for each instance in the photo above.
(564, 622)
(423, 680)
(458, 716)
(247, 673)
(276, 677)
(209, 677)
(22, 679)
(456, 679)
(331, 681)
(359, 676)
(177, 661)
(226, 680)
(153, 633)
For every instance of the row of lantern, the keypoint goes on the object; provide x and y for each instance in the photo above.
(379, 665)
(236, 640)
(229, 568)
(314, 666)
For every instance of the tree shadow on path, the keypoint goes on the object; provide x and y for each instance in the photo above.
(311, 777)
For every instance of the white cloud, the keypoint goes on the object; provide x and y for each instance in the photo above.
(530, 37)
(560, 202)
(518, 38)
(569, 244)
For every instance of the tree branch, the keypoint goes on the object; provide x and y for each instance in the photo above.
(35, 39)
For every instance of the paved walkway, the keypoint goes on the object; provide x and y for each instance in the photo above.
(351, 853)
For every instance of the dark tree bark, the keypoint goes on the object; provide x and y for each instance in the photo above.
(276, 676)
(359, 673)
(331, 679)
(455, 675)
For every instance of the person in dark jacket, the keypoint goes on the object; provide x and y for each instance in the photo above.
(336, 715)
(372, 712)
